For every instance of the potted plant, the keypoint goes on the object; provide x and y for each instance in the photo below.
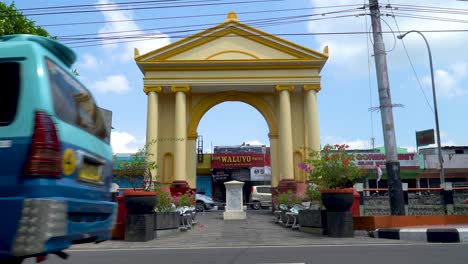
(137, 170)
(185, 205)
(285, 201)
(334, 173)
(165, 216)
(186, 199)
(314, 218)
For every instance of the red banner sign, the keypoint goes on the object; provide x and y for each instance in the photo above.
(224, 161)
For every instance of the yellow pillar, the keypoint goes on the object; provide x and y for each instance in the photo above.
(285, 132)
(180, 132)
(192, 164)
(275, 178)
(313, 131)
(152, 126)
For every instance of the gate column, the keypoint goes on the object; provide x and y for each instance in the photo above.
(313, 131)
(285, 133)
(180, 132)
(152, 126)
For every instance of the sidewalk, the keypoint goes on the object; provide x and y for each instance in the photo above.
(257, 230)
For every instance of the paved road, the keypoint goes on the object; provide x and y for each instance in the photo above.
(323, 254)
(259, 240)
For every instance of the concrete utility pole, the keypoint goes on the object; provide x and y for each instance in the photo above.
(392, 164)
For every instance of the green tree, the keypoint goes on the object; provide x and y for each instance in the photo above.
(13, 21)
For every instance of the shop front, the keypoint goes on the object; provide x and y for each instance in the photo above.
(249, 166)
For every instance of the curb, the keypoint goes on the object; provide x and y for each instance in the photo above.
(431, 235)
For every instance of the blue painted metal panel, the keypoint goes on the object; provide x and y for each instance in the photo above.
(205, 185)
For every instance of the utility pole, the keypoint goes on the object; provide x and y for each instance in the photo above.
(392, 164)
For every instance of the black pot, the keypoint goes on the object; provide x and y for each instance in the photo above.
(140, 203)
(166, 220)
(337, 201)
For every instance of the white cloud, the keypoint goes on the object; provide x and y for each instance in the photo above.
(253, 142)
(113, 83)
(121, 142)
(353, 144)
(449, 82)
(411, 149)
(350, 51)
(87, 61)
(358, 144)
(149, 41)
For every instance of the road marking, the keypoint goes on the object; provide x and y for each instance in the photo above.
(259, 247)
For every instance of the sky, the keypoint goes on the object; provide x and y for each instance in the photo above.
(349, 86)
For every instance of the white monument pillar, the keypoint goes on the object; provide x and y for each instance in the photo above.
(234, 205)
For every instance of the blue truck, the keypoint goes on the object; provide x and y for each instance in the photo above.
(55, 153)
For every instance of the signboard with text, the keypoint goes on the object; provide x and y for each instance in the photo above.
(260, 173)
(232, 161)
(425, 137)
(372, 160)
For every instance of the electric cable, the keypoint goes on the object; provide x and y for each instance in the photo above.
(412, 66)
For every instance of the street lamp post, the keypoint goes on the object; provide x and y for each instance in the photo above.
(439, 148)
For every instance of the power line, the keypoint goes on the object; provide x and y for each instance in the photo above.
(431, 9)
(150, 7)
(250, 22)
(77, 40)
(277, 34)
(192, 16)
(369, 82)
(99, 5)
(442, 19)
(412, 66)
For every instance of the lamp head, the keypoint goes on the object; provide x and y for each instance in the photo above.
(401, 36)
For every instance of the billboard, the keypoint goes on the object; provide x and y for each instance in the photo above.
(425, 137)
(260, 173)
(372, 160)
(233, 161)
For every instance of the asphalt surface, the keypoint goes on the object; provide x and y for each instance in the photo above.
(352, 254)
(259, 240)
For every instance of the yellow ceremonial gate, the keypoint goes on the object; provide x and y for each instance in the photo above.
(231, 62)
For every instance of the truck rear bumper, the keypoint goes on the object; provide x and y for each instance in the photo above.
(45, 225)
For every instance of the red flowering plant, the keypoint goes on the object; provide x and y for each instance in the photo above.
(288, 199)
(332, 168)
(186, 199)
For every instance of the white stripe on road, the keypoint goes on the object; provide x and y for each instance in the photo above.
(259, 247)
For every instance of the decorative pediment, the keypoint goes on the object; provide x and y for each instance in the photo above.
(231, 41)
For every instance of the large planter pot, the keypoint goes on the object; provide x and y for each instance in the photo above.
(139, 202)
(166, 220)
(313, 220)
(337, 200)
